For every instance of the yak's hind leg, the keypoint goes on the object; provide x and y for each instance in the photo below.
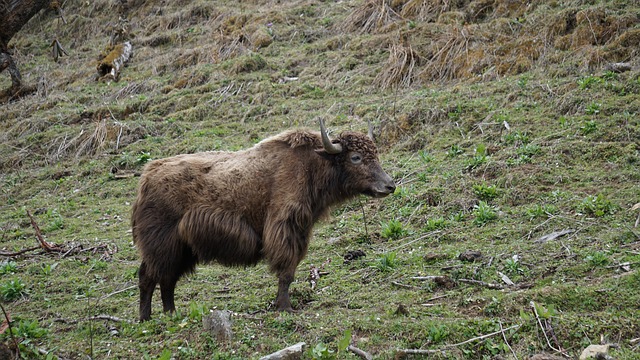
(147, 285)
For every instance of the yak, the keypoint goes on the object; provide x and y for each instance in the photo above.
(238, 208)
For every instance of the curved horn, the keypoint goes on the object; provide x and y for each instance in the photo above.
(370, 134)
(329, 147)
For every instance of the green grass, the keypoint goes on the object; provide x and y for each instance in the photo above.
(490, 153)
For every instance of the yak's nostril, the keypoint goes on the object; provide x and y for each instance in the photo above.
(391, 188)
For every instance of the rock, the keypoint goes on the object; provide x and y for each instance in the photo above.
(595, 352)
(470, 256)
(218, 322)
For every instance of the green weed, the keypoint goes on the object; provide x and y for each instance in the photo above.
(12, 289)
(597, 259)
(592, 109)
(516, 138)
(589, 127)
(588, 81)
(540, 211)
(479, 157)
(483, 213)
(454, 150)
(485, 192)
(437, 334)
(8, 267)
(425, 156)
(597, 205)
(387, 262)
(393, 230)
(435, 224)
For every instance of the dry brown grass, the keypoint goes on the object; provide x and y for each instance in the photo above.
(426, 10)
(399, 68)
(371, 16)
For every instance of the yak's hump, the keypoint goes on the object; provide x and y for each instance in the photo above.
(296, 138)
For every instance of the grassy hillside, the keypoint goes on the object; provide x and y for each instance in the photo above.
(501, 121)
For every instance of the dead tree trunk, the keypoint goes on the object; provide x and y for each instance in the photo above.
(14, 14)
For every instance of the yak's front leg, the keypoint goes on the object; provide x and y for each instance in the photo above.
(283, 303)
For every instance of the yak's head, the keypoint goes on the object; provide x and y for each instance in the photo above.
(357, 157)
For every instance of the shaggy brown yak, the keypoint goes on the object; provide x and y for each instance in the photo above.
(238, 208)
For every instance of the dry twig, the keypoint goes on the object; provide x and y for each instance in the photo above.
(363, 354)
(43, 243)
(15, 342)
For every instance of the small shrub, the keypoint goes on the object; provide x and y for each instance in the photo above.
(392, 230)
(483, 213)
(485, 192)
(12, 289)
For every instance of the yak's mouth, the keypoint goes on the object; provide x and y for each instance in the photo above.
(380, 193)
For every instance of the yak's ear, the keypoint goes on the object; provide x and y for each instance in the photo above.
(324, 154)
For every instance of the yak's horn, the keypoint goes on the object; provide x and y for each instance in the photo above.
(370, 130)
(329, 147)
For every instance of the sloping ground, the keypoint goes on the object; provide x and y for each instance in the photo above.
(500, 121)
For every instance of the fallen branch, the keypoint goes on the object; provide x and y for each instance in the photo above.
(363, 354)
(291, 352)
(43, 243)
(19, 252)
(405, 352)
(554, 235)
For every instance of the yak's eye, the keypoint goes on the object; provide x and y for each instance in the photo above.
(356, 158)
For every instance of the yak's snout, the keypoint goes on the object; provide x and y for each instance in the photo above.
(383, 187)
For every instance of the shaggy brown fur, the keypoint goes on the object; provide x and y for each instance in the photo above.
(238, 208)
